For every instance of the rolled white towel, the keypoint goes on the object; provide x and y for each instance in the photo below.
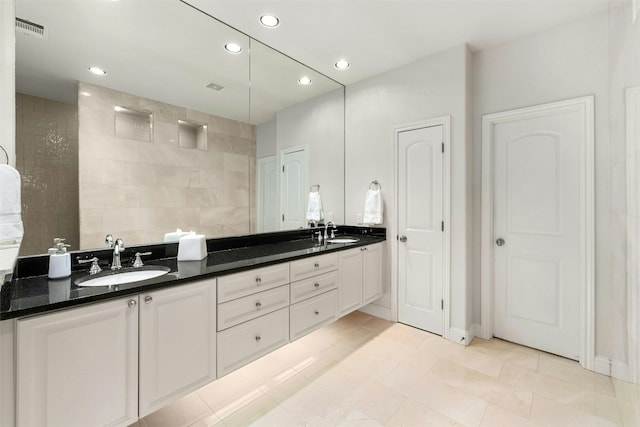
(11, 229)
(314, 207)
(373, 213)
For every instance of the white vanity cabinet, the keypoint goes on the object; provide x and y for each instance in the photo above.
(253, 315)
(79, 367)
(314, 298)
(359, 277)
(177, 342)
(109, 363)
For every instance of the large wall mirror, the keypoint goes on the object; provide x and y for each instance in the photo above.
(179, 133)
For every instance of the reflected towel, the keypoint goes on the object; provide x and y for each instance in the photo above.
(11, 229)
(314, 207)
(373, 207)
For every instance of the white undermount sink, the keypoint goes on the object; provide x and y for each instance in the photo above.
(342, 240)
(110, 278)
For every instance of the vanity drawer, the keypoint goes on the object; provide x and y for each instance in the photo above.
(248, 282)
(240, 310)
(313, 286)
(311, 314)
(248, 341)
(309, 267)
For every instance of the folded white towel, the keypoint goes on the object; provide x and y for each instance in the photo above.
(373, 207)
(314, 207)
(11, 228)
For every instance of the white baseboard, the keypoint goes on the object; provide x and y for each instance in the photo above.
(378, 311)
(612, 368)
(460, 336)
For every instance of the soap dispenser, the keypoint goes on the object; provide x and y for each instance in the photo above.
(60, 261)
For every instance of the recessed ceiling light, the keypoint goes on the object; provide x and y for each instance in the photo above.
(269, 21)
(304, 80)
(97, 71)
(233, 48)
(342, 64)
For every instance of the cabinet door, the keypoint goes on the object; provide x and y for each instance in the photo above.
(372, 273)
(79, 367)
(177, 342)
(349, 280)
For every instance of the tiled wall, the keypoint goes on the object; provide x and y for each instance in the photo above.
(139, 189)
(47, 159)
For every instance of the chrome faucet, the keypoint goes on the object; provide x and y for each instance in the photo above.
(118, 247)
(333, 231)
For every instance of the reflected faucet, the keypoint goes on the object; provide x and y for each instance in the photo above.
(118, 247)
(333, 231)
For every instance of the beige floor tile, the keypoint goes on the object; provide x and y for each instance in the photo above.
(483, 386)
(182, 412)
(548, 412)
(377, 401)
(498, 417)
(628, 397)
(480, 362)
(431, 392)
(230, 392)
(208, 421)
(572, 372)
(252, 412)
(377, 325)
(315, 405)
(528, 380)
(412, 413)
(356, 418)
(506, 351)
(406, 334)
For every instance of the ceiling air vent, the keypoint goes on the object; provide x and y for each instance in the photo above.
(29, 28)
(215, 87)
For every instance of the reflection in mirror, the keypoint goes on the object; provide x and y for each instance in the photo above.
(300, 141)
(167, 138)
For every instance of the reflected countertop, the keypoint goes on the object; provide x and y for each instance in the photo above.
(31, 294)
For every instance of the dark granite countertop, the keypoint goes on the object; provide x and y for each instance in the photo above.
(31, 291)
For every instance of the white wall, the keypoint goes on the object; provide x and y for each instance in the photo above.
(433, 87)
(266, 140)
(624, 72)
(564, 62)
(8, 81)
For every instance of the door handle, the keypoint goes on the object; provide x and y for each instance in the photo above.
(500, 241)
(403, 239)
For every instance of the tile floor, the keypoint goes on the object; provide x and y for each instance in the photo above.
(364, 371)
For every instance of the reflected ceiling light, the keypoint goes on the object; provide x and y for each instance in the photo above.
(233, 48)
(97, 70)
(304, 80)
(342, 64)
(85, 93)
(269, 21)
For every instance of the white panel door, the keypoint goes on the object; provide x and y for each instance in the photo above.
(294, 188)
(79, 367)
(420, 216)
(177, 342)
(268, 195)
(537, 229)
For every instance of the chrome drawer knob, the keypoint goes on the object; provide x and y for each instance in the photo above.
(132, 303)
(316, 312)
(258, 338)
(316, 265)
(148, 299)
(317, 285)
(258, 304)
(258, 280)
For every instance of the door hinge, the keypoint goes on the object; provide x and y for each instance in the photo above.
(442, 226)
(282, 168)
(282, 217)
(443, 147)
(441, 304)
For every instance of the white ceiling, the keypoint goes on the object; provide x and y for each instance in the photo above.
(379, 35)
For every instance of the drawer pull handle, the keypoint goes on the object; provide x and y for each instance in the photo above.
(258, 280)
(316, 312)
(258, 304)
(316, 265)
(258, 338)
(317, 285)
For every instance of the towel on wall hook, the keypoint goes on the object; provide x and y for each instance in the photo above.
(314, 205)
(373, 204)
